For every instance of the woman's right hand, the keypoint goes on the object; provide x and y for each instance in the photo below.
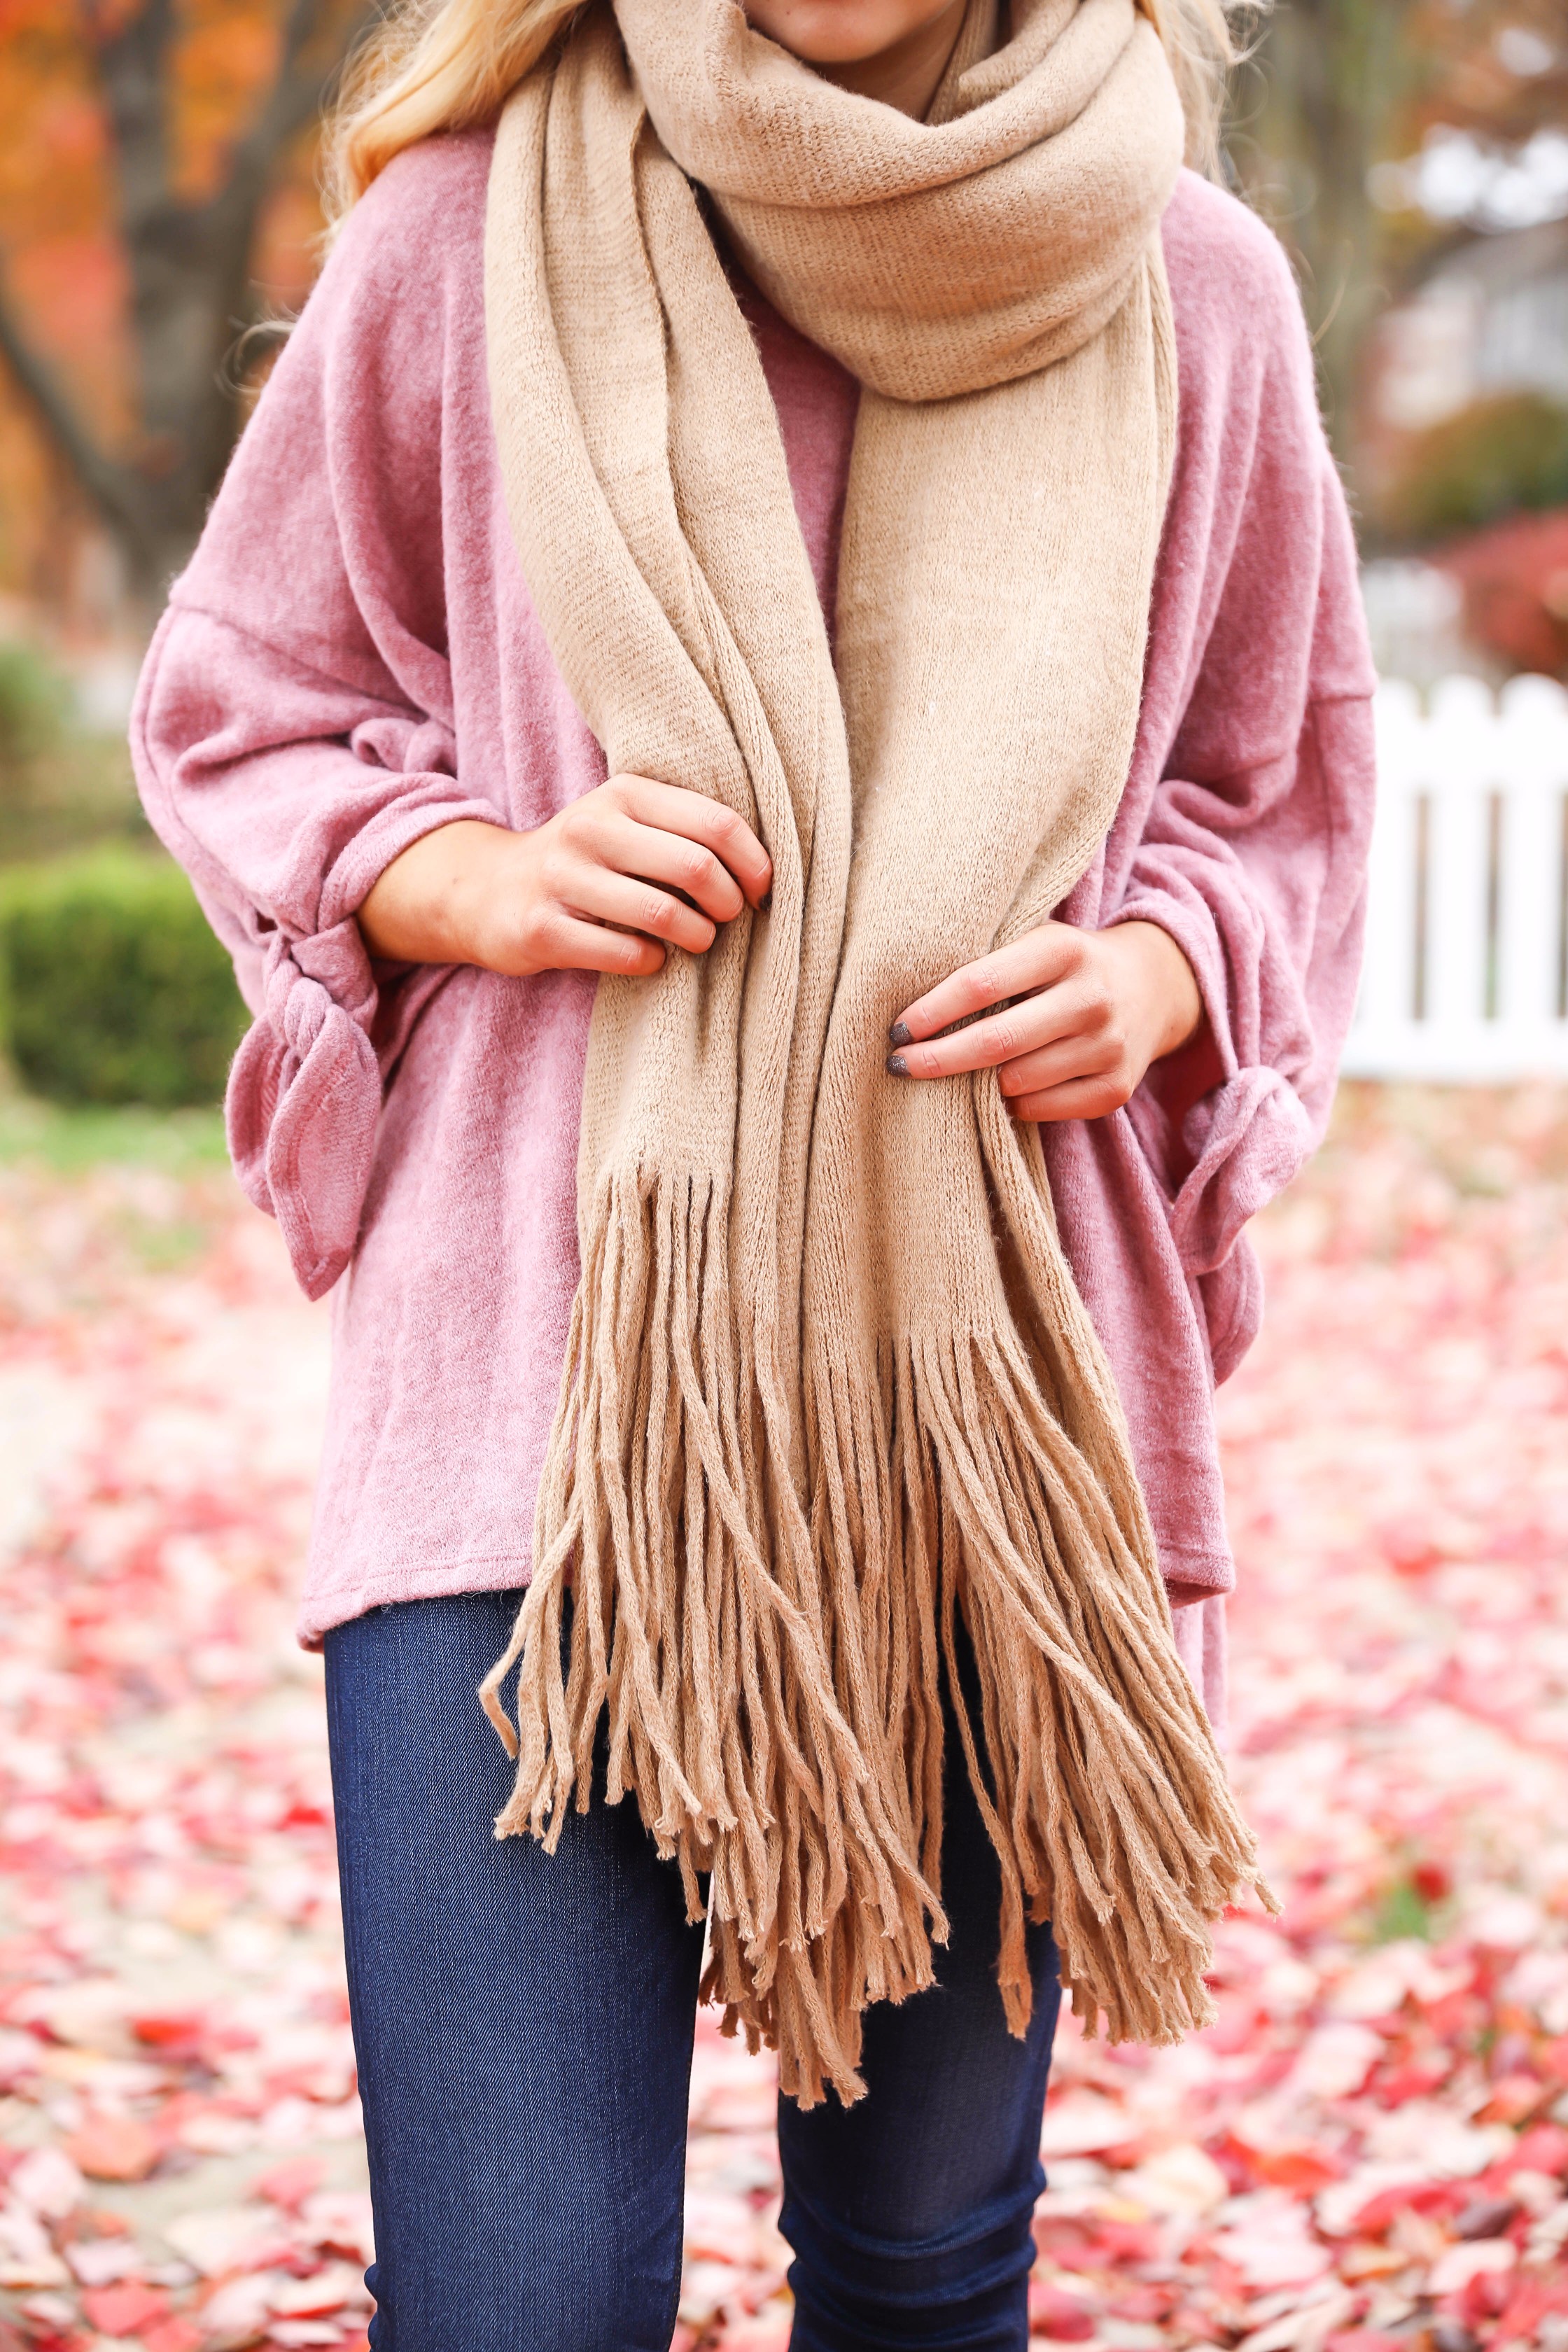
(603, 887)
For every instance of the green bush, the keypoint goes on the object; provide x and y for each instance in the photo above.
(1499, 456)
(115, 989)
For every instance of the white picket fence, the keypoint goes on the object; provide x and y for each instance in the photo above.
(1466, 959)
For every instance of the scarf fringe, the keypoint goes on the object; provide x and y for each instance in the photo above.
(1092, 1763)
(770, 1686)
(709, 1658)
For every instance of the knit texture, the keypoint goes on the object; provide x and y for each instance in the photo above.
(803, 1420)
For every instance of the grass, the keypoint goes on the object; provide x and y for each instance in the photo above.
(156, 1184)
(69, 1139)
(1403, 1912)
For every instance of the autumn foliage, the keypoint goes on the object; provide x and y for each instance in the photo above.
(157, 198)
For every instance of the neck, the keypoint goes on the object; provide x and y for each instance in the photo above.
(907, 75)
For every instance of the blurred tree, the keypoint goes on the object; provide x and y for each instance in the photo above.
(33, 704)
(1313, 114)
(155, 135)
(1504, 454)
(1514, 583)
(61, 783)
(1328, 124)
(1496, 67)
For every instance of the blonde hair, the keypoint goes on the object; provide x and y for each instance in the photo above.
(441, 64)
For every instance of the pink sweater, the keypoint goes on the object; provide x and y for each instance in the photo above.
(352, 660)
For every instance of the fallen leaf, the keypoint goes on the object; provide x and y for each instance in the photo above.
(1457, 2265)
(128, 2309)
(114, 2148)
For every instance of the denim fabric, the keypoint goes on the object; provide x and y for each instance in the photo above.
(524, 2028)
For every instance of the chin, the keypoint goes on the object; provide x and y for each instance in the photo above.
(835, 32)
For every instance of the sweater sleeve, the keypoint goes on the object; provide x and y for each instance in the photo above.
(1253, 843)
(1271, 924)
(1266, 901)
(294, 727)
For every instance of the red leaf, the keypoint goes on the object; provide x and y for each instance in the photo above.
(114, 2148)
(290, 2184)
(125, 2309)
(1544, 2147)
(173, 2335)
(1057, 2315)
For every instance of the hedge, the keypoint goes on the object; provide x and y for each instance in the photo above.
(113, 988)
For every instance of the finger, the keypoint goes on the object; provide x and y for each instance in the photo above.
(609, 897)
(1023, 1028)
(644, 853)
(697, 818)
(1036, 960)
(575, 946)
(1081, 1055)
(1078, 1098)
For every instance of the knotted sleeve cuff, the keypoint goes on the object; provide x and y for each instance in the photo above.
(304, 1098)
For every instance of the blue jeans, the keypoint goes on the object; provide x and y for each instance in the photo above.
(524, 2028)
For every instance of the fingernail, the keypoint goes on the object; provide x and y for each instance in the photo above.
(765, 902)
(901, 1033)
(896, 1067)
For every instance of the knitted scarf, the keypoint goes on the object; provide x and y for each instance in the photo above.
(829, 1385)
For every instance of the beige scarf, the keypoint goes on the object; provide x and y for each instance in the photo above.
(829, 1380)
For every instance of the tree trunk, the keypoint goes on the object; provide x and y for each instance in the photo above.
(189, 267)
(1331, 71)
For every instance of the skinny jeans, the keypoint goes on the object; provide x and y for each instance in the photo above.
(524, 2024)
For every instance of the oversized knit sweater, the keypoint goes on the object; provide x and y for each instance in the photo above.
(352, 660)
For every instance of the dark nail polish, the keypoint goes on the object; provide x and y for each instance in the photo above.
(896, 1067)
(901, 1033)
(765, 902)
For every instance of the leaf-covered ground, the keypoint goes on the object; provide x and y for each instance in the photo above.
(1370, 2146)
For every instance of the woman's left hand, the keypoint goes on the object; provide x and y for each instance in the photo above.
(1084, 1015)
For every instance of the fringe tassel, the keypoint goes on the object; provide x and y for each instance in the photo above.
(711, 1659)
(777, 1713)
(1093, 1765)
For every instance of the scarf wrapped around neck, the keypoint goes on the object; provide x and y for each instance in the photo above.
(829, 1385)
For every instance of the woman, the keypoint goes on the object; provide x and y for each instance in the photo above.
(812, 515)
